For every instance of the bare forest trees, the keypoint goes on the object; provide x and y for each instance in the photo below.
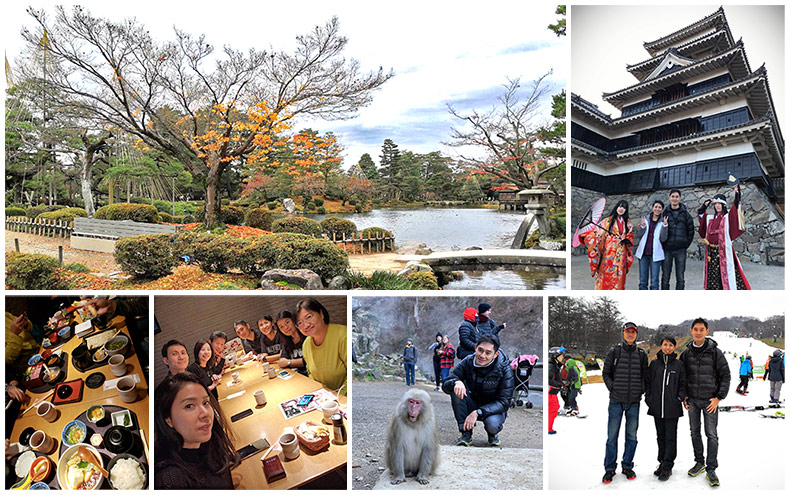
(207, 110)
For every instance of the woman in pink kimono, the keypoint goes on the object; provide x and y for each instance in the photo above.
(722, 269)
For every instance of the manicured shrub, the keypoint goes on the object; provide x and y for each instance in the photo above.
(77, 268)
(231, 215)
(423, 280)
(373, 232)
(310, 206)
(259, 218)
(215, 253)
(128, 211)
(64, 214)
(321, 210)
(165, 217)
(338, 226)
(272, 205)
(26, 271)
(146, 256)
(352, 201)
(188, 219)
(297, 225)
(15, 212)
(35, 211)
(296, 251)
(380, 280)
(318, 201)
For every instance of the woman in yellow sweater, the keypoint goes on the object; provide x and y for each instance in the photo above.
(19, 343)
(324, 348)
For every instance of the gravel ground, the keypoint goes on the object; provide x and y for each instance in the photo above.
(372, 407)
(101, 263)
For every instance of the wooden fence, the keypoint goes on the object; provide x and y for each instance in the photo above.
(356, 244)
(39, 226)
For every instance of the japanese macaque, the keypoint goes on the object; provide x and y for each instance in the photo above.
(412, 439)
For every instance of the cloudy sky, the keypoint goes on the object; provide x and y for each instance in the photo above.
(607, 38)
(673, 307)
(459, 52)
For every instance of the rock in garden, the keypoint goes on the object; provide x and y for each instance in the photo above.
(288, 205)
(283, 279)
(339, 283)
(473, 248)
(414, 266)
(412, 248)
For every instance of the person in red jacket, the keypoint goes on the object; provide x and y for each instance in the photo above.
(555, 385)
(447, 357)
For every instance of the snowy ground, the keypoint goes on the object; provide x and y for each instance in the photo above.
(751, 448)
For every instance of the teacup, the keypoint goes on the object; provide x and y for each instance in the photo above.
(47, 411)
(127, 388)
(272, 372)
(260, 397)
(290, 445)
(118, 365)
(329, 408)
(42, 442)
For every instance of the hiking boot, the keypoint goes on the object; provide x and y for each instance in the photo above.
(698, 469)
(629, 473)
(553, 432)
(607, 476)
(713, 480)
(657, 471)
(465, 439)
(493, 440)
(664, 475)
(436, 389)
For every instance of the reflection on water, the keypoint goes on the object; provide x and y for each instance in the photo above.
(442, 229)
(508, 280)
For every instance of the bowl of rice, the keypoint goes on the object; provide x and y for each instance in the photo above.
(127, 473)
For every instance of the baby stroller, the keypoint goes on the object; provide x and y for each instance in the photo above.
(522, 368)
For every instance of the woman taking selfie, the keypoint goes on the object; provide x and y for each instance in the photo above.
(193, 445)
(325, 346)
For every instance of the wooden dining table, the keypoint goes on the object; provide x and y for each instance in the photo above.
(69, 412)
(268, 422)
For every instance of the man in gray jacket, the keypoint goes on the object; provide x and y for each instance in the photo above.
(409, 361)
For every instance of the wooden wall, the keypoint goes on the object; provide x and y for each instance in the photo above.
(191, 318)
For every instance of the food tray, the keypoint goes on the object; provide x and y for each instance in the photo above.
(101, 427)
(11, 479)
(49, 386)
(76, 394)
(314, 445)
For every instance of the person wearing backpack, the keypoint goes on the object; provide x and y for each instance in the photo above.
(574, 382)
(625, 376)
(744, 371)
(708, 381)
(664, 397)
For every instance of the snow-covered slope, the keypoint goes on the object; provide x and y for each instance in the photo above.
(751, 448)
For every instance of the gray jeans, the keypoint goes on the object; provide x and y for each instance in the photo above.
(679, 255)
(697, 407)
(776, 389)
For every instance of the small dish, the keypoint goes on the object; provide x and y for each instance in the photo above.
(99, 355)
(116, 345)
(118, 439)
(40, 468)
(34, 359)
(74, 433)
(95, 413)
(64, 391)
(122, 418)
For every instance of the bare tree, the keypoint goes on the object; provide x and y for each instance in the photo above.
(207, 112)
(509, 134)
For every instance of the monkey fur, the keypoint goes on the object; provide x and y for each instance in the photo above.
(412, 438)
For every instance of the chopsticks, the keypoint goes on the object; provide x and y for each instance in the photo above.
(145, 444)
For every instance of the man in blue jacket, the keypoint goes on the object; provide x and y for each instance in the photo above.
(480, 388)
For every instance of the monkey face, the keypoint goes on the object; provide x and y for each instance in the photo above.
(415, 405)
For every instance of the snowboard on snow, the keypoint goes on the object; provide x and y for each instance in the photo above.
(776, 415)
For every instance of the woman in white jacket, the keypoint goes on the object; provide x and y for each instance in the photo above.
(650, 253)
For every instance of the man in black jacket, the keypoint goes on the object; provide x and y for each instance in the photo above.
(480, 388)
(708, 381)
(680, 235)
(468, 334)
(625, 375)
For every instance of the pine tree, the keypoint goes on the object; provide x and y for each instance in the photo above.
(368, 166)
(390, 167)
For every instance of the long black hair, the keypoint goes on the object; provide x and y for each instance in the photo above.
(613, 214)
(220, 454)
(199, 345)
(313, 305)
(723, 205)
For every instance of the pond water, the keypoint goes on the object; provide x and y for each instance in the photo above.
(442, 229)
(448, 229)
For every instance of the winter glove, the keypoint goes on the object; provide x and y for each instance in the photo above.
(703, 207)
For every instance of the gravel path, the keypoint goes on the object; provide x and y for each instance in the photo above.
(102, 263)
(372, 407)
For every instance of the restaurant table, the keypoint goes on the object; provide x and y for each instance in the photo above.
(69, 412)
(268, 421)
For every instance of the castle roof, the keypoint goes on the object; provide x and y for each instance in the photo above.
(716, 20)
(717, 41)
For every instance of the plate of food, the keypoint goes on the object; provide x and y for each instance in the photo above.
(312, 435)
(116, 345)
(80, 468)
(122, 418)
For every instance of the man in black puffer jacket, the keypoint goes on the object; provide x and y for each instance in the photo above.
(680, 235)
(468, 334)
(708, 381)
(480, 388)
(625, 375)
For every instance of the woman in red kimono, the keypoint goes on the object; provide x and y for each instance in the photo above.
(609, 249)
(722, 269)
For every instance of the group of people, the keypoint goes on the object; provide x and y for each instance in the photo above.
(481, 383)
(193, 443)
(695, 381)
(665, 234)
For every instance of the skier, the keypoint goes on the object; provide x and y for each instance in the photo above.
(708, 381)
(625, 375)
(570, 372)
(776, 375)
(555, 384)
(664, 397)
(743, 372)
